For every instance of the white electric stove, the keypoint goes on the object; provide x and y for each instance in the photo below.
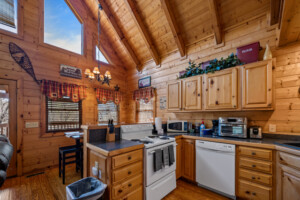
(157, 183)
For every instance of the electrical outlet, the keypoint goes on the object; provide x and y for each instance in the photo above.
(272, 128)
(31, 124)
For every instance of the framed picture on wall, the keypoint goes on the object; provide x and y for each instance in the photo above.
(145, 82)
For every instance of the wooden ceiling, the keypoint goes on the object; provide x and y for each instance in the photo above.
(141, 31)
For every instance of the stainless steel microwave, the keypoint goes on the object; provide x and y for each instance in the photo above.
(233, 127)
(177, 126)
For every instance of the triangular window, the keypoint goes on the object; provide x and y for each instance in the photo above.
(62, 27)
(100, 56)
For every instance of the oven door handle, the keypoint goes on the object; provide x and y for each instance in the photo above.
(152, 152)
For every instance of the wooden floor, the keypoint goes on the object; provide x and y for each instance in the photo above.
(49, 186)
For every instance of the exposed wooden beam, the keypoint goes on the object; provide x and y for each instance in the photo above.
(131, 6)
(216, 23)
(289, 25)
(119, 32)
(274, 11)
(174, 27)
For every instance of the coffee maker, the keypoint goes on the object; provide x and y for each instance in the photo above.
(215, 127)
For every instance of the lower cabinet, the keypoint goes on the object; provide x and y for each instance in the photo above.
(188, 159)
(178, 157)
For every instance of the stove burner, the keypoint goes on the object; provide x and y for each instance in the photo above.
(142, 141)
(164, 138)
(153, 136)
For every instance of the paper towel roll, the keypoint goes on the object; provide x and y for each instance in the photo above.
(158, 123)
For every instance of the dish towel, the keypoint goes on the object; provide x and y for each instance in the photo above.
(166, 156)
(171, 155)
(158, 162)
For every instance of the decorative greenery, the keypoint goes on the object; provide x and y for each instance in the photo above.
(214, 65)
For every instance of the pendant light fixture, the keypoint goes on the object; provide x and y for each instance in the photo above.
(95, 74)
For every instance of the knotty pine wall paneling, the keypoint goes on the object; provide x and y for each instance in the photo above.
(286, 115)
(39, 152)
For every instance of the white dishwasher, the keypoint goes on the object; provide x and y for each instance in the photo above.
(215, 167)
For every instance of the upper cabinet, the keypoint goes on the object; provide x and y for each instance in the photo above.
(221, 90)
(174, 95)
(192, 93)
(257, 85)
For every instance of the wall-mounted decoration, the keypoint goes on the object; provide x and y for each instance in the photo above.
(145, 82)
(22, 59)
(163, 102)
(69, 71)
(248, 53)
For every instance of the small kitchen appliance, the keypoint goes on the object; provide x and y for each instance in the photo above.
(233, 127)
(179, 126)
(255, 132)
(215, 127)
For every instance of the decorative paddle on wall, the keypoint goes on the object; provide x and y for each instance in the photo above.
(22, 59)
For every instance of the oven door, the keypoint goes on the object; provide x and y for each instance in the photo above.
(152, 176)
(232, 130)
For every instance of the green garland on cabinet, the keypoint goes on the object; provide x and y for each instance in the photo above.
(214, 65)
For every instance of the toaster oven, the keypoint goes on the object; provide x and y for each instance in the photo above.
(233, 127)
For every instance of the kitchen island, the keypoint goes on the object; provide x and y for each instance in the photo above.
(118, 164)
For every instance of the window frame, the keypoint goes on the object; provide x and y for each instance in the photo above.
(55, 48)
(103, 124)
(154, 111)
(20, 24)
(103, 53)
(66, 130)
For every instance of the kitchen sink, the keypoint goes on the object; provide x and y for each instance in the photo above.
(293, 144)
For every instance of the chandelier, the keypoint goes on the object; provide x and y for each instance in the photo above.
(95, 74)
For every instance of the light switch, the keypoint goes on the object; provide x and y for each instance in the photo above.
(272, 128)
(31, 124)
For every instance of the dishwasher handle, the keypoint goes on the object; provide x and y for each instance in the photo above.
(215, 150)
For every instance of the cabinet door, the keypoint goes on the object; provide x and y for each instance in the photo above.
(221, 89)
(288, 179)
(192, 93)
(174, 95)
(257, 85)
(188, 159)
(178, 157)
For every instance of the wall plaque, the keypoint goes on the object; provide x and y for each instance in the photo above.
(69, 71)
(163, 102)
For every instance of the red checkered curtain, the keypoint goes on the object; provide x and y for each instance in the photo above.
(145, 93)
(105, 95)
(55, 90)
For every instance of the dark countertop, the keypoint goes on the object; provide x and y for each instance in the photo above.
(116, 145)
(266, 140)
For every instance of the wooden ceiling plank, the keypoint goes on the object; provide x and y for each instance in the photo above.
(216, 23)
(289, 24)
(131, 6)
(274, 11)
(174, 27)
(119, 32)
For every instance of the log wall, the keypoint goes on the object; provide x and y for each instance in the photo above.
(287, 102)
(37, 149)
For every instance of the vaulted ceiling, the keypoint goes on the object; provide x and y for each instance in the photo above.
(142, 31)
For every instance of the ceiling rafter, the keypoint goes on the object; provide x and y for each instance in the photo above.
(120, 34)
(131, 6)
(174, 27)
(289, 24)
(216, 23)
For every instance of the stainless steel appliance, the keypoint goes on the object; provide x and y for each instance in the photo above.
(215, 167)
(177, 126)
(157, 183)
(255, 132)
(233, 127)
(215, 127)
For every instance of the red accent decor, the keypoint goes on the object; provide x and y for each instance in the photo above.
(248, 53)
(105, 95)
(145, 93)
(55, 90)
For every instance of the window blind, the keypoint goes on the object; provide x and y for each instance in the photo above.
(63, 115)
(145, 111)
(7, 13)
(107, 111)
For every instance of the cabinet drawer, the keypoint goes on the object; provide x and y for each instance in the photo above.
(257, 165)
(126, 186)
(248, 190)
(265, 154)
(135, 195)
(127, 158)
(256, 177)
(128, 171)
(289, 159)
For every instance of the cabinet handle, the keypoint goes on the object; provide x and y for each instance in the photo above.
(120, 191)
(280, 159)
(198, 95)
(129, 157)
(253, 153)
(253, 193)
(217, 103)
(129, 172)
(253, 165)
(247, 192)
(129, 185)
(253, 178)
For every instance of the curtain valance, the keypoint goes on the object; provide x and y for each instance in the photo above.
(145, 93)
(55, 90)
(7, 13)
(105, 95)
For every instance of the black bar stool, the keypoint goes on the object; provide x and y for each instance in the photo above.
(64, 155)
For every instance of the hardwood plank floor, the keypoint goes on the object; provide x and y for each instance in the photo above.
(48, 186)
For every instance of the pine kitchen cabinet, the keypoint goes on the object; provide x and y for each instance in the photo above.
(188, 159)
(192, 93)
(221, 90)
(257, 85)
(174, 95)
